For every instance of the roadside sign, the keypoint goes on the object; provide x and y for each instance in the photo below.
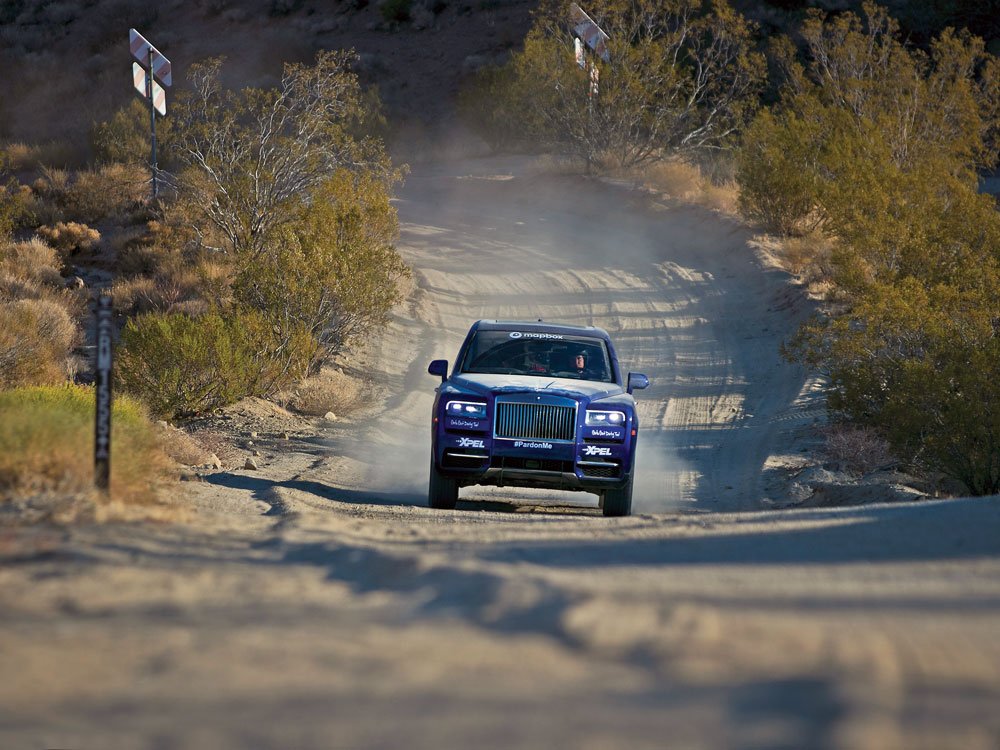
(589, 32)
(147, 54)
(159, 94)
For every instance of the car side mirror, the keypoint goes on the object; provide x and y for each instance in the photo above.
(637, 381)
(439, 367)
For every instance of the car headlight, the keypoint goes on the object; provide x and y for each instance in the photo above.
(605, 418)
(466, 409)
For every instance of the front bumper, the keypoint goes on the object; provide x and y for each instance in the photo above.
(565, 467)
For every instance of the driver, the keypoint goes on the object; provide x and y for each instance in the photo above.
(581, 366)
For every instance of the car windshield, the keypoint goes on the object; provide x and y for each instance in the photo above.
(539, 354)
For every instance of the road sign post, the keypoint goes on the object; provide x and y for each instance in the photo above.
(102, 392)
(589, 35)
(143, 78)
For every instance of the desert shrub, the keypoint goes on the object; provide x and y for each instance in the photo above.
(13, 287)
(70, 237)
(36, 337)
(181, 447)
(858, 449)
(46, 447)
(14, 202)
(777, 172)
(884, 141)
(32, 260)
(125, 137)
(679, 76)
(111, 190)
(867, 110)
(333, 271)
(676, 178)
(36, 155)
(329, 390)
(181, 365)
(144, 294)
(723, 197)
(809, 256)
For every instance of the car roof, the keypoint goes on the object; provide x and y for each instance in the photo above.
(540, 326)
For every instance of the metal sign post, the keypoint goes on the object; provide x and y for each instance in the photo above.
(142, 78)
(588, 34)
(102, 391)
(152, 118)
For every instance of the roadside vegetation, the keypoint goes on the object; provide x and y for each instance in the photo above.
(859, 150)
(269, 251)
(46, 466)
(271, 248)
(677, 80)
(875, 146)
(283, 209)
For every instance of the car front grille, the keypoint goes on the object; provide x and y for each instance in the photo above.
(535, 421)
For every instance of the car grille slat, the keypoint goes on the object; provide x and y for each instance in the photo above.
(523, 421)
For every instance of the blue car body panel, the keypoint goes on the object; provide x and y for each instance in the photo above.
(530, 430)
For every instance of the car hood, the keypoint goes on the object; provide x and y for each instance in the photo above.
(497, 384)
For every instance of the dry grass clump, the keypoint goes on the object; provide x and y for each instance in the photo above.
(175, 287)
(676, 179)
(687, 182)
(722, 198)
(860, 450)
(35, 155)
(330, 390)
(162, 269)
(808, 256)
(36, 338)
(31, 261)
(70, 237)
(181, 447)
(112, 190)
(143, 294)
(47, 459)
(37, 327)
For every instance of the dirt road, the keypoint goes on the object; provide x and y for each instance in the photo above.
(318, 603)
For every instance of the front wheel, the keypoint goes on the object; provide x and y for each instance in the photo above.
(442, 491)
(618, 502)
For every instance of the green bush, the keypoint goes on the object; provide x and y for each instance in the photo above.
(46, 446)
(179, 364)
(125, 137)
(333, 270)
(921, 365)
(776, 171)
(884, 141)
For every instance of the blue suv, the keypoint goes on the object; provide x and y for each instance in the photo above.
(535, 405)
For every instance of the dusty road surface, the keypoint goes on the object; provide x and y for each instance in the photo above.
(318, 603)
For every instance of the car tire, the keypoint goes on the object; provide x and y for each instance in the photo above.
(618, 502)
(442, 491)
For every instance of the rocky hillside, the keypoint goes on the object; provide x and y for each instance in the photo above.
(67, 64)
